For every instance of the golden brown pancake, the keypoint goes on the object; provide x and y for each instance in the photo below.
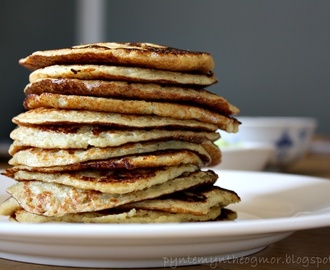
(51, 116)
(120, 73)
(149, 160)
(84, 136)
(138, 107)
(181, 206)
(109, 181)
(51, 199)
(124, 90)
(39, 157)
(131, 54)
(115, 216)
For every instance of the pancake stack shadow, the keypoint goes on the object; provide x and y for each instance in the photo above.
(119, 133)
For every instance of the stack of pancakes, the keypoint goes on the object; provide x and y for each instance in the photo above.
(118, 133)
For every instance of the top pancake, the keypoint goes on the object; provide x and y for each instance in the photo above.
(127, 54)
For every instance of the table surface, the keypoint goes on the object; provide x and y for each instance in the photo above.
(303, 249)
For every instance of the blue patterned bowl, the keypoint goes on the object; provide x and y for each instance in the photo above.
(290, 136)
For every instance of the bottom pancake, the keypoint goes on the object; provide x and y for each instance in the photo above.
(131, 216)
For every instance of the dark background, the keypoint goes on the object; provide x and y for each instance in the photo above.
(272, 57)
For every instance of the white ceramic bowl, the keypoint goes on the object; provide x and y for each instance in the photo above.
(290, 136)
(246, 156)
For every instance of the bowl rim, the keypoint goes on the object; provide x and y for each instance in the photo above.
(248, 146)
(277, 121)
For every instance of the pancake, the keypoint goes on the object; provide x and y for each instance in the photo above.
(138, 107)
(84, 136)
(120, 73)
(38, 157)
(109, 181)
(51, 199)
(131, 216)
(131, 54)
(196, 202)
(158, 159)
(124, 90)
(182, 206)
(45, 116)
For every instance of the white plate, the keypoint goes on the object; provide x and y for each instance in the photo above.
(273, 206)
